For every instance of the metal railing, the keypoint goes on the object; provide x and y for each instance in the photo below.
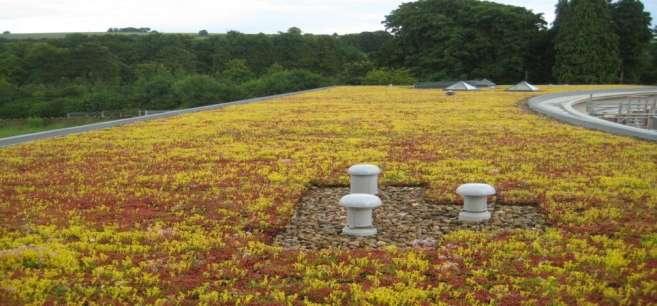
(116, 114)
(638, 111)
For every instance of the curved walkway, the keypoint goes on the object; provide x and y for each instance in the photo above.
(560, 107)
(107, 124)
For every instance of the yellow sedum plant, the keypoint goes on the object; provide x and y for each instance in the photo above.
(183, 210)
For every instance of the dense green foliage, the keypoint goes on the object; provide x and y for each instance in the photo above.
(465, 39)
(597, 41)
(650, 74)
(633, 28)
(52, 77)
(586, 45)
(591, 41)
(388, 76)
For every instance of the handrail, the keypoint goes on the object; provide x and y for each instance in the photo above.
(560, 106)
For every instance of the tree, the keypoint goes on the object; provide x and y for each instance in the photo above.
(8, 91)
(542, 49)
(387, 76)
(561, 13)
(203, 33)
(324, 57)
(149, 70)
(368, 42)
(6, 33)
(237, 71)
(155, 91)
(280, 81)
(540, 58)
(289, 48)
(12, 68)
(46, 63)
(195, 90)
(163, 71)
(101, 98)
(462, 39)
(256, 50)
(586, 46)
(94, 62)
(178, 59)
(354, 73)
(130, 30)
(633, 29)
(650, 73)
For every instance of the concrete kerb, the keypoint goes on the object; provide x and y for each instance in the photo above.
(560, 106)
(7, 141)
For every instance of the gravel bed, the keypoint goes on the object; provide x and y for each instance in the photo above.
(405, 219)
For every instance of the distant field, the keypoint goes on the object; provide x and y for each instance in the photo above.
(15, 127)
(63, 34)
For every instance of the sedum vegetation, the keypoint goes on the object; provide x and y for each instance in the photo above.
(183, 210)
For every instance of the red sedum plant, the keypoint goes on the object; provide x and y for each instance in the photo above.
(183, 210)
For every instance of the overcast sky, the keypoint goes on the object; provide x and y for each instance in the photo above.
(248, 16)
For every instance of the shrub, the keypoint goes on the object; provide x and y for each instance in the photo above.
(15, 109)
(354, 73)
(284, 81)
(100, 98)
(236, 71)
(35, 122)
(195, 90)
(155, 92)
(7, 91)
(389, 76)
(49, 107)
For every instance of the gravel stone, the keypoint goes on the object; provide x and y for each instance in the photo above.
(405, 219)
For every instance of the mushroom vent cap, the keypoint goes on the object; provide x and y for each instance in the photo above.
(364, 169)
(360, 200)
(475, 190)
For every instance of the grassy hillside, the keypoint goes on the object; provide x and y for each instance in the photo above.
(184, 210)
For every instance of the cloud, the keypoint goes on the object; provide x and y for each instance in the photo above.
(189, 16)
(249, 16)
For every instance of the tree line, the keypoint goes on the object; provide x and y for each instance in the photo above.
(591, 41)
(130, 30)
(50, 77)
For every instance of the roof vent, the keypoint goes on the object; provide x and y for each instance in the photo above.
(475, 206)
(359, 213)
(364, 178)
